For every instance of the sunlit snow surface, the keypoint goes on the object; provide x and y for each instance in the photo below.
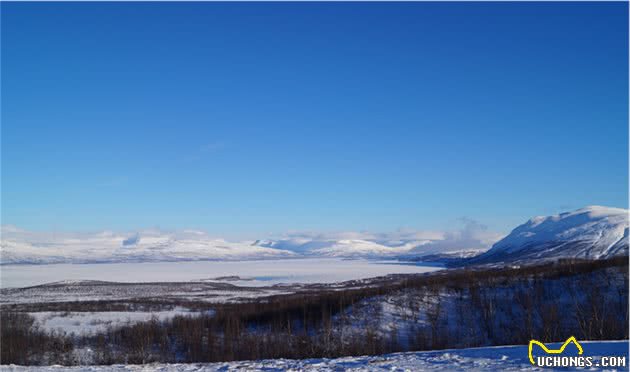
(249, 273)
(591, 232)
(87, 323)
(502, 358)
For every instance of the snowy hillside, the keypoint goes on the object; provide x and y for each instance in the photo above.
(501, 358)
(592, 232)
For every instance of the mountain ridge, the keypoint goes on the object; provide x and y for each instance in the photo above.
(592, 232)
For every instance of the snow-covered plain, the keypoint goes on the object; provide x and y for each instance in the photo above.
(249, 273)
(84, 323)
(500, 358)
(206, 292)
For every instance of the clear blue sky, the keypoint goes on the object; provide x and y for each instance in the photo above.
(252, 118)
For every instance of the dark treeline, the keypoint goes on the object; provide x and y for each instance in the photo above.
(23, 343)
(450, 309)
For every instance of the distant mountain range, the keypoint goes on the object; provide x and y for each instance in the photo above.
(24, 247)
(347, 248)
(593, 232)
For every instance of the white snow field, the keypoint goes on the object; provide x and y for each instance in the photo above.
(500, 358)
(250, 273)
(86, 323)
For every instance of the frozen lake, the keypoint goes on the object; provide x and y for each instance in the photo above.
(251, 273)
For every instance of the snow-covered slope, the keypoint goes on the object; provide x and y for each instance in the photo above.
(500, 358)
(592, 232)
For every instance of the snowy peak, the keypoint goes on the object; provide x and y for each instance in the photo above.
(592, 232)
(583, 215)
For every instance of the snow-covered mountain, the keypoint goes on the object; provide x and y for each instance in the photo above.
(24, 247)
(327, 247)
(404, 244)
(592, 232)
(19, 246)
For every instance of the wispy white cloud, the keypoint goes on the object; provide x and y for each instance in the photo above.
(471, 235)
